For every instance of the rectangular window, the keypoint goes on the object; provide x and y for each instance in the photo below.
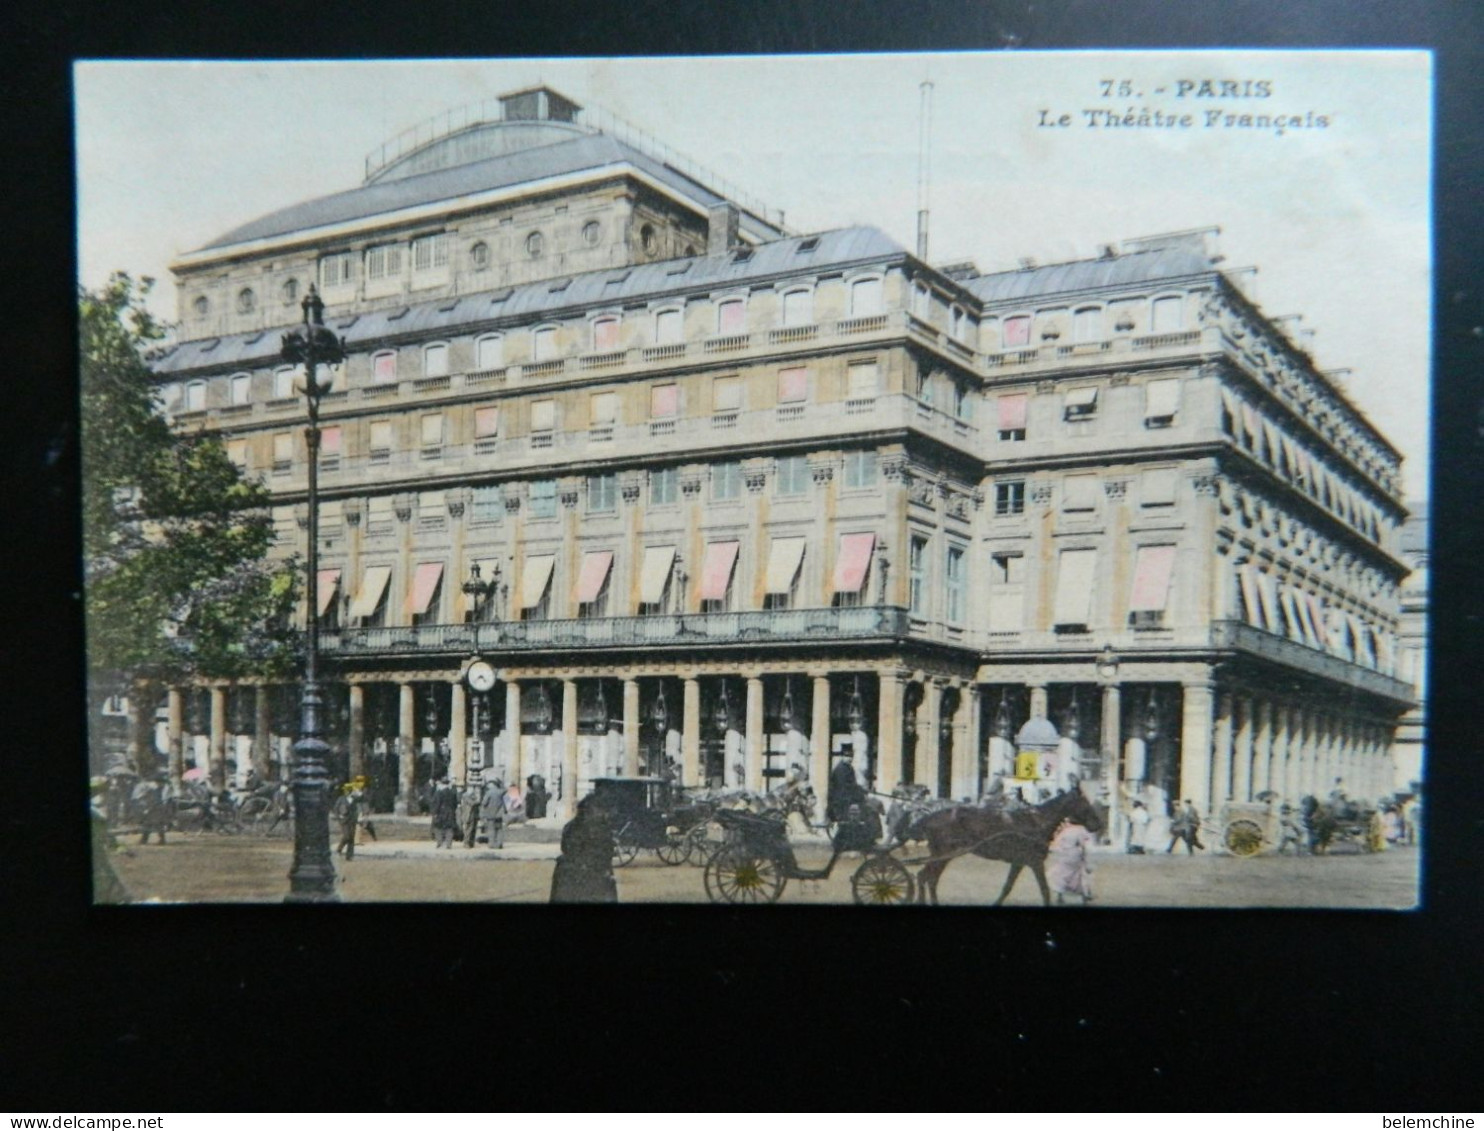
(860, 470)
(1007, 593)
(535, 586)
(1009, 498)
(195, 396)
(785, 557)
(1076, 574)
(431, 431)
(543, 498)
(1081, 404)
(865, 297)
(335, 270)
(592, 583)
(543, 416)
(544, 344)
(1157, 487)
(283, 383)
(664, 402)
(957, 322)
(1087, 324)
(489, 503)
(798, 308)
(963, 402)
(490, 353)
(602, 493)
(792, 475)
(1017, 333)
(1154, 567)
(242, 389)
(381, 437)
(731, 316)
(283, 447)
(486, 423)
(430, 252)
(954, 583)
(668, 329)
(726, 481)
(604, 409)
(384, 367)
(793, 385)
(1079, 493)
(1161, 402)
(726, 394)
(1012, 409)
(237, 452)
(605, 334)
(664, 486)
(435, 361)
(384, 261)
(853, 568)
(917, 576)
(329, 441)
(863, 380)
(716, 576)
(1166, 317)
(369, 605)
(655, 573)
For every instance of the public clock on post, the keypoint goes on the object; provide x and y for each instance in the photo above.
(480, 676)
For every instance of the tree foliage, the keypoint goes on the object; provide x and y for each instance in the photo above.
(175, 540)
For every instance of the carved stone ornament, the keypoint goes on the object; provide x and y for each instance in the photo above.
(1205, 484)
(631, 488)
(1040, 492)
(301, 516)
(690, 486)
(457, 500)
(569, 497)
(1118, 380)
(1046, 387)
(958, 506)
(1115, 488)
(353, 510)
(823, 472)
(512, 502)
(921, 491)
(402, 507)
(756, 479)
(894, 469)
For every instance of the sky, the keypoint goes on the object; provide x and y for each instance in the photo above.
(1334, 211)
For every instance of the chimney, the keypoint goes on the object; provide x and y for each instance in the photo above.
(721, 228)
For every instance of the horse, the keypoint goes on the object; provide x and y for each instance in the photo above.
(1328, 823)
(1021, 837)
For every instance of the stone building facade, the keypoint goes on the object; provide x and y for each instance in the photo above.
(742, 501)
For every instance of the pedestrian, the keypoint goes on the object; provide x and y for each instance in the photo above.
(537, 795)
(1290, 831)
(156, 803)
(348, 810)
(514, 805)
(1391, 820)
(469, 812)
(584, 870)
(1068, 870)
(1138, 829)
(492, 813)
(444, 807)
(1186, 826)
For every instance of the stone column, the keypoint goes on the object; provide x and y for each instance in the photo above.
(569, 748)
(262, 735)
(892, 694)
(216, 753)
(1268, 760)
(1111, 741)
(1300, 755)
(514, 764)
(690, 733)
(1038, 700)
(929, 716)
(1261, 758)
(1195, 745)
(356, 728)
(631, 727)
(1221, 754)
(406, 748)
(819, 736)
(967, 744)
(175, 710)
(1234, 752)
(754, 734)
(458, 732)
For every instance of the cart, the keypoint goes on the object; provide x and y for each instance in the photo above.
(649, 813)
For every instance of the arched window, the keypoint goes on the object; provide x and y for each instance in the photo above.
(435, 360)
(592, 232)
(1017, 333)
(667, 327)
(535, 245)
(489, 352)
(195, 396)
(283, 382)
(1166, 315)
(384, 366)
(202, 306)
(1087, 324)
(479, 256)
(798, 307)
(241, 388)
(290, 291)
(544, 343)
(605, 333)
(247, 302)
(865, 297)
(649, 240)
(731, 316)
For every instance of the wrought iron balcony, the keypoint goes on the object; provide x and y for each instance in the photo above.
(1245, 638)
(772, 627)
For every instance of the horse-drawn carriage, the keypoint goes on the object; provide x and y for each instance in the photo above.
(651, 813)
(1341, 821)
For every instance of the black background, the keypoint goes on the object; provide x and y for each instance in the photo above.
(508, 1010)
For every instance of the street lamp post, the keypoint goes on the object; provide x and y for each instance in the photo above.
(312, 876)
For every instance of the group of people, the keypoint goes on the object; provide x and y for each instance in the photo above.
(480, 808)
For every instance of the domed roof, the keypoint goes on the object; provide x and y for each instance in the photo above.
(1037, 732)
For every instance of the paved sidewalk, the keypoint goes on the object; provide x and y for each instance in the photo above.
(426, 849)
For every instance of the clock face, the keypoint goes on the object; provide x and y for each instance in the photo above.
(480, 675)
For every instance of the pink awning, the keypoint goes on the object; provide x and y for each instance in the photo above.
(486, 422)
(327, 581)
(793, 385)
(1017, 331)
(664, 401)
(595, 566)
(1012, 408)
(1153, 568)
(716, 570)
(329, 441)
(731, 317)
(854, 562)
(605, 334)
(424, 585)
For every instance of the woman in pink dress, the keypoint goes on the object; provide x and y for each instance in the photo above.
(1067, 868)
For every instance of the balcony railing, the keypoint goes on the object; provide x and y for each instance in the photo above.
(1246, 638)
(771, 627)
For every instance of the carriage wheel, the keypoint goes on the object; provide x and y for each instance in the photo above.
(1244, 838)
(252, 812)
(624, 850)
(674, 849)
(700, 848)
(881, 880)
(741, 875)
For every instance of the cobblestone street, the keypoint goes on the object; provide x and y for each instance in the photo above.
(244, 869)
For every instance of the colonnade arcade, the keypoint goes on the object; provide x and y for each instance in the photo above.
(1156, 732)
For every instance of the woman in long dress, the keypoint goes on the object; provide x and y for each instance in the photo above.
(1067, 868)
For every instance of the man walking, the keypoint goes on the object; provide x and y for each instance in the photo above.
(492, 813)
(444, 805)
(156, 801)
(1186, 826)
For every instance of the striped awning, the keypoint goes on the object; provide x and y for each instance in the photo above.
(1012, 408)
(854, 562)
(595, 567)
(784, 559)
(373, 585)
(326, 582)
(535, 578)
(716, 569)
(1153, 568)
(424, 584)
(655, 573)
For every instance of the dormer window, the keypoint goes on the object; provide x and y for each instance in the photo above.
(798, 307)
(808, 245)
(865, 297)
(202, 306)
(430, 252)
(247, 302)
(535, 245)
(383, 262)
(605, 334)
(1017, 332)
(479, 256)
(1087, 324)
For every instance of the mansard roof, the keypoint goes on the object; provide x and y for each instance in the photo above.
(530, 301)
(591, 152)
(1125, 270)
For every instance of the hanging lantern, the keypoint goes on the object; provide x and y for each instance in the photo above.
(661, 715)
(1151, 719)
(1071, 723)
(723, 716)
(238, 713)
(601, 721)
(786, 710)
(543, 718)
(430, 710)
(856, 713)
(1001, 725)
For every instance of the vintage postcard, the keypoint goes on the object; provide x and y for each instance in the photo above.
(965, 478)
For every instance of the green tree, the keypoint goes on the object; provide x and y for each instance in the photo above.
(175, 541)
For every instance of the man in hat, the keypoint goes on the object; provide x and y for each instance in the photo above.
(156, 802)
(444, 805)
